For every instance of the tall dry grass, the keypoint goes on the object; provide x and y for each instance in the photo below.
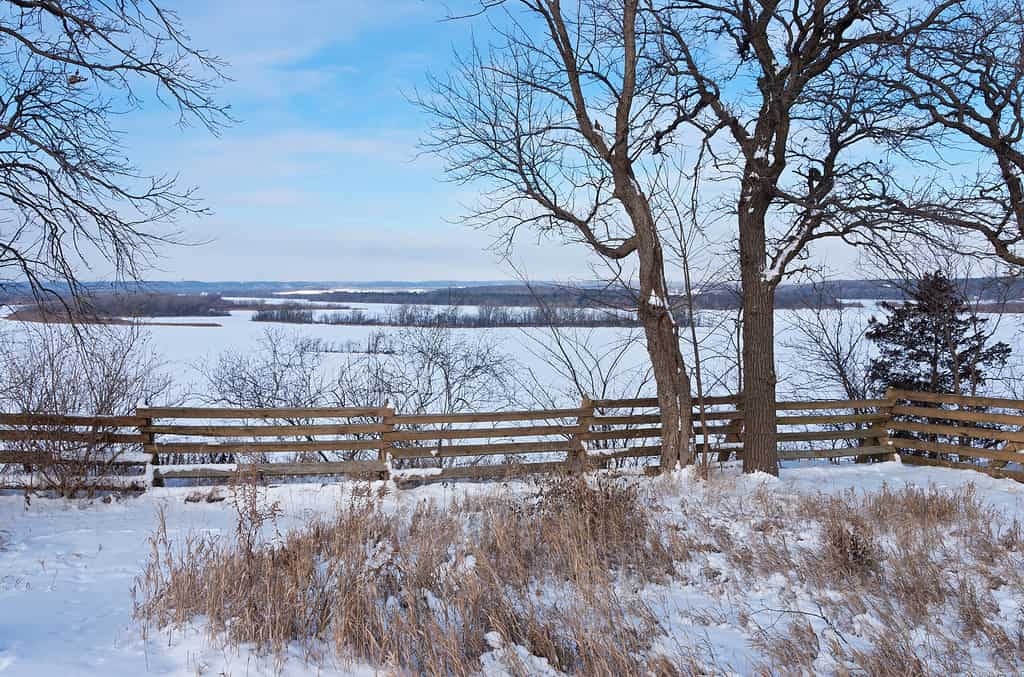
(420, 590)
(899, 581)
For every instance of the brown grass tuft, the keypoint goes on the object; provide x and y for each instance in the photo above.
(849, 547)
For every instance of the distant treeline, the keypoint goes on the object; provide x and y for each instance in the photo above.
(109, 306)
(720, 297)
(723, 296)
(106, 307)
(486, 316)
(509, 296)
(109, 303)
(716, 297)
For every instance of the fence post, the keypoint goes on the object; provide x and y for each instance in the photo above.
(578, 457)
(886, 425)
(149, 447)
(387, 419)
(734, 432)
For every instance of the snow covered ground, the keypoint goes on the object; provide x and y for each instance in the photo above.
(67, 570)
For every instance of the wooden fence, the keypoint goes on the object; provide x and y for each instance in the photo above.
(208, 445)
(954, 431)
(227, 441)
(806, 430)
(104, 451)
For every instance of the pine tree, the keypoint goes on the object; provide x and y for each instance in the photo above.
(933, 342)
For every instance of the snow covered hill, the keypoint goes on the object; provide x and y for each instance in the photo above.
(67, 570)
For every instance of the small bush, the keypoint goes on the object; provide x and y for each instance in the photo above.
(106, 371)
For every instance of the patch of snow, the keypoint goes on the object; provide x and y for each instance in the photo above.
(513, 660)
(67, 570)
(410, 473)
(655, 301)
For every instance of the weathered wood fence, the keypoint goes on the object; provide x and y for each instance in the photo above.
(208, 445)
(954, 431)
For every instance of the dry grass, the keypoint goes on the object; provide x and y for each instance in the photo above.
(895, 582)
(419, 591)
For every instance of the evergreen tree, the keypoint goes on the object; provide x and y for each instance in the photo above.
(933, 342)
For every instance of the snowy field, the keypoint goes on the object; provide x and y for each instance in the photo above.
(67, 570)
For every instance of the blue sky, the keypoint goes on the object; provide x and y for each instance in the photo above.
(321, 179)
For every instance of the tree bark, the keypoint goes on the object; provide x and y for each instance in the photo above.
(662, 334)
(673, 385)
(760, 438)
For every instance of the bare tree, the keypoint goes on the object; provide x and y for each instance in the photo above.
(69, 194)
(558, 118)
(282, 370)
(963, 80)
(580, 363)
(828, 347)
(780, 96)
(433, 370)
(440, 370)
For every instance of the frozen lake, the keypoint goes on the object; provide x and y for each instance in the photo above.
(599, 350)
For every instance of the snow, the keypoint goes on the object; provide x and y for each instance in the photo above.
(415, 473)
(67, 570)
(497, 663)
(66, 573)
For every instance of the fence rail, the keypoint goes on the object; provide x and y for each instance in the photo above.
(154, 445)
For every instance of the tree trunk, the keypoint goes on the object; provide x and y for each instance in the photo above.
(673, 384)
(760, 438)
(662, 333)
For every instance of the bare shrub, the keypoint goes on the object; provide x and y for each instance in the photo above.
(604, 521)
(53, 369)
(282, 369)
(414, 370)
